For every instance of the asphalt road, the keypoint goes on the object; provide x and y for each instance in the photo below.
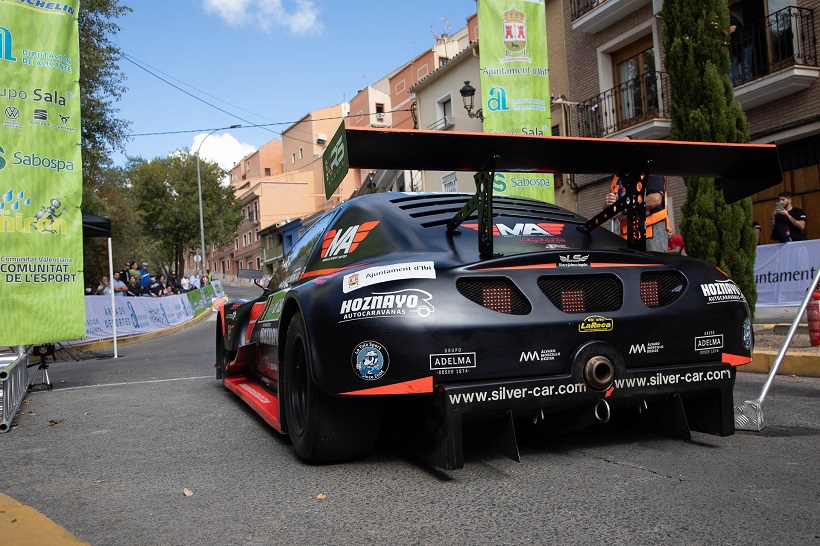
(109, 453)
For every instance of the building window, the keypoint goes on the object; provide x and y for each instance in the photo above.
(449, 183)
(635, 82)
(301, 153)
(379, 108)
(236, 243)
(267, 171)
(293, 158)
(258, 262)
(444, 114)
(256, 234)
(256, 209)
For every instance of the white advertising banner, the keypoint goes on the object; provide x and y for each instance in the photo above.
(134, 315)
(783, 272)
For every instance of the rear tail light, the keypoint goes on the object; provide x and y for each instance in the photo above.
(661, 288)
(499, 295)
(583, 293)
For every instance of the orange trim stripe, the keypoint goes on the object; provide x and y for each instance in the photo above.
(554, 266)
(415, 386)
(514, 267)
(602, 264)
(323, 272)
(735, 360)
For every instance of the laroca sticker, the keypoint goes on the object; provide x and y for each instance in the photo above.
(596, 324)
(370, 360)
(386, 273)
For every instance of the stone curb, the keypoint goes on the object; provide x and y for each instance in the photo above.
(805, 363)
(22, 525)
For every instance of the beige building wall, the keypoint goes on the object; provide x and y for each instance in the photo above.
(266, 161)
(370, 107)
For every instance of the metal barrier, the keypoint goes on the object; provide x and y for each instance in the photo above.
(13, 385)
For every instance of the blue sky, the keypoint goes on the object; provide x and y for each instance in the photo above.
(267, 61)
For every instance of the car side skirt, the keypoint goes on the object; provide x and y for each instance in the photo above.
(262, 402)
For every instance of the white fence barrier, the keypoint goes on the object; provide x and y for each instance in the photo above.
(13, 386)
(784, 271)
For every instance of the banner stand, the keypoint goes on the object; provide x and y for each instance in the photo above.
(113, 294)
(749, 416)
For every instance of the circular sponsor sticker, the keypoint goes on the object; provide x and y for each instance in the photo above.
(747, 333)
(370, 360)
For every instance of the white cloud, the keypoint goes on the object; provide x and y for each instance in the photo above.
(268, 14)
(234, 12)
(221, 148)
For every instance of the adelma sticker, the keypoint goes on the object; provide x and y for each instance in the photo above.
(386, 273)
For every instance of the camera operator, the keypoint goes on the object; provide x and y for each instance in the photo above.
(788, 223)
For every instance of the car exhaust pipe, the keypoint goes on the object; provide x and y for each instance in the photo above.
(599, 372)
(602, 412)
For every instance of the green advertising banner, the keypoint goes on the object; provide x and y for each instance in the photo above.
(515, 88)
(41, 244)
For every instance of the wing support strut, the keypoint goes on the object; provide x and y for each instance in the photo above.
(482, 201)
(633, 204)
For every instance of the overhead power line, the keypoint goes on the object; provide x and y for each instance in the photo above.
(138, 65)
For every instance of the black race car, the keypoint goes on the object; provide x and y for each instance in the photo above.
(455, 308)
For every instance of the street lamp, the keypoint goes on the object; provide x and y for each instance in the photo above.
(199, 191)
(467, 94)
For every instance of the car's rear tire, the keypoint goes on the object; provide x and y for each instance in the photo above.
(322, 428)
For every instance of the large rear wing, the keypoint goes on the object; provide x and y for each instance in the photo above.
(739, 169)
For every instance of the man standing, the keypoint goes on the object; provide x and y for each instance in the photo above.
(788, 223)
(145, 277)
(657, 219)
(173, 283)
(120, 288)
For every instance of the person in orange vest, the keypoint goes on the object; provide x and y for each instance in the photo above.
(657, 218)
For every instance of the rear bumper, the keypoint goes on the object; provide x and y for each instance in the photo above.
(671, 401)
(556, 393)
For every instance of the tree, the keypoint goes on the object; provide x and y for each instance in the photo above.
(696, 39)
(102, 132)
(167, 198)
(101, 85)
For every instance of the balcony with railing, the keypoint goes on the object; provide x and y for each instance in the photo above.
(595, 15)
(443, 123)
(638, 108)
(781, 53)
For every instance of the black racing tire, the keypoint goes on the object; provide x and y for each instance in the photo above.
(224, 357)
(322, 428)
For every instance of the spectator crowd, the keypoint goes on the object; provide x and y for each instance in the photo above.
(135, 281)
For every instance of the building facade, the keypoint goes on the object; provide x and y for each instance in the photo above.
(618, 87)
